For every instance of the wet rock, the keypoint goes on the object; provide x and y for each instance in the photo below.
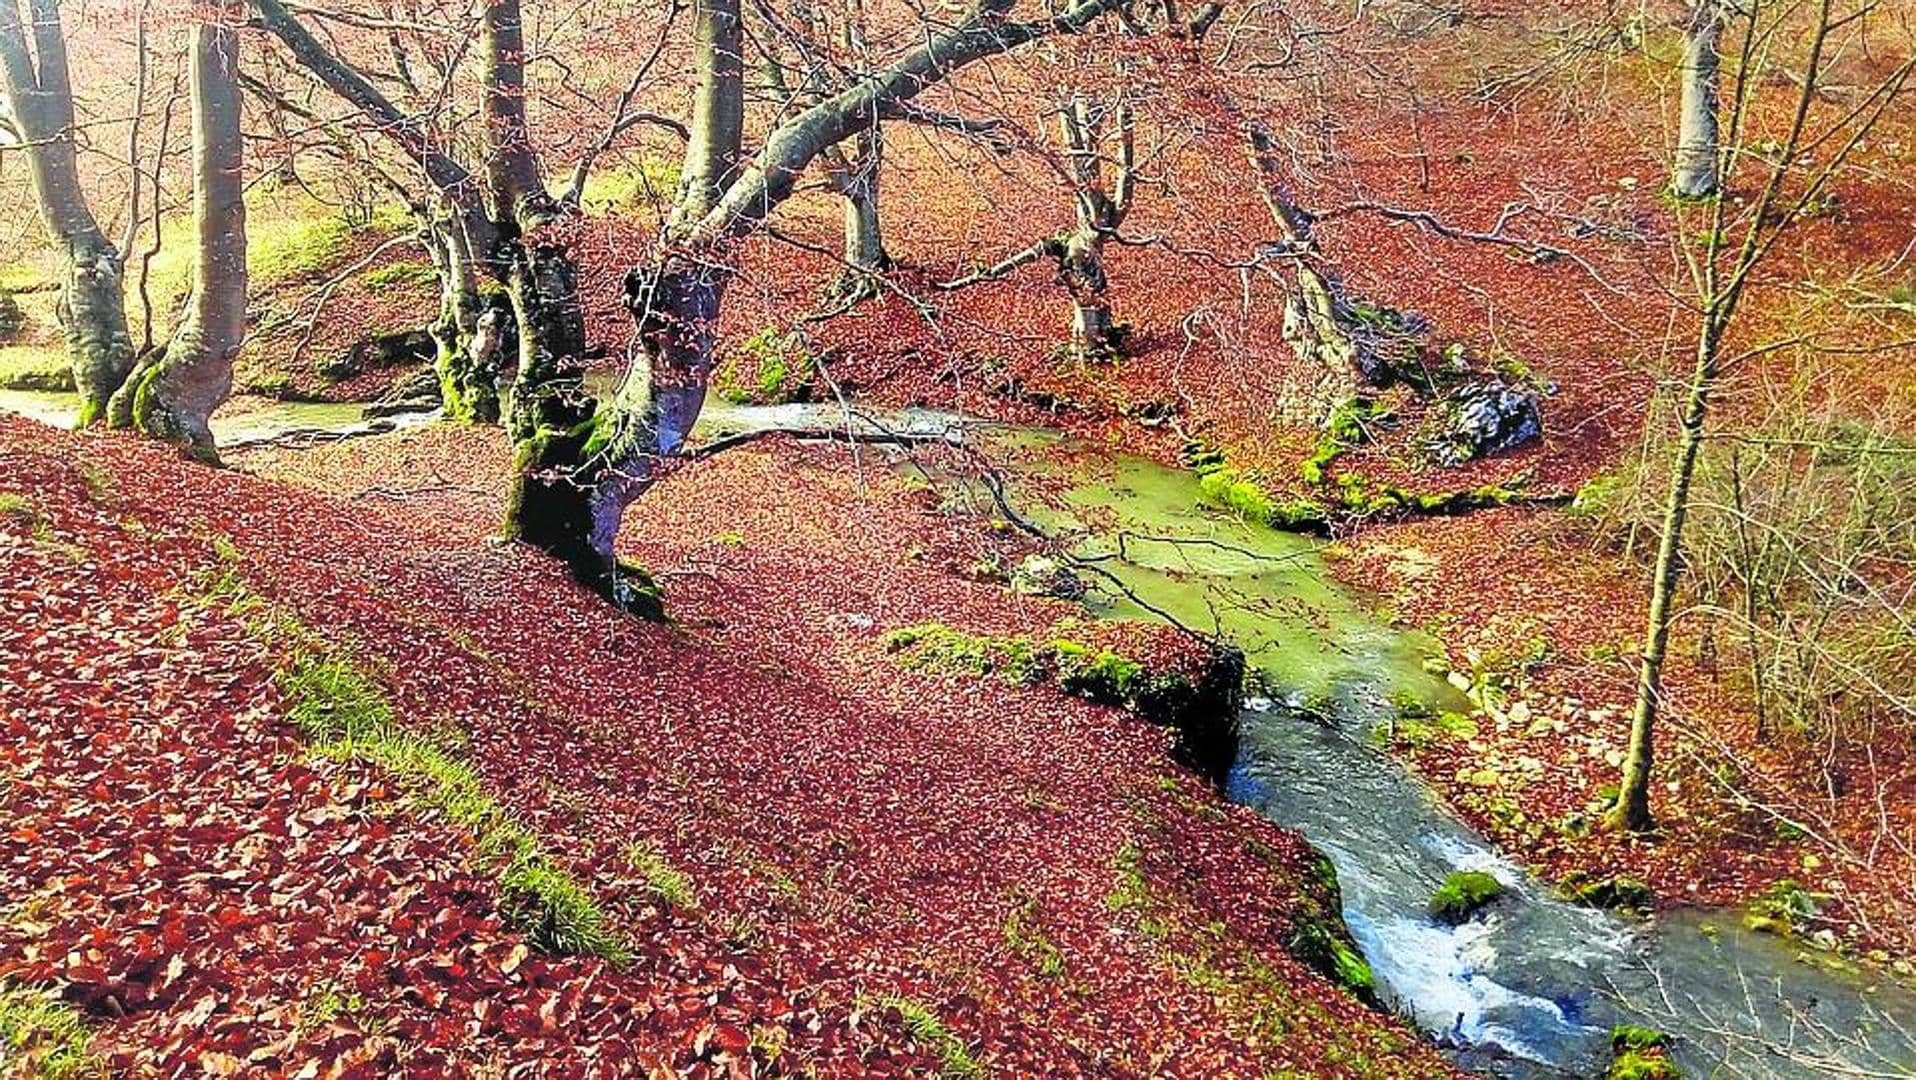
(1462, 895)
(379, 351)
(1482, 417)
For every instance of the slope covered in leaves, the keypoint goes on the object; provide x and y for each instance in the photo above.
(817, 861)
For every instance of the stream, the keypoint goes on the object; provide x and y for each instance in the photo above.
(1531, 987)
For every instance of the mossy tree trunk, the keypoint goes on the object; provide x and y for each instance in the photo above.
(174, 396)
(92, 301)
(475, 333)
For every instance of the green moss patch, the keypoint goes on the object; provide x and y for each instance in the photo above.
(772, 367)
(1462, 895)
(1640, 1053)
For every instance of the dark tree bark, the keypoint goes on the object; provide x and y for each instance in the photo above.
(92, 300)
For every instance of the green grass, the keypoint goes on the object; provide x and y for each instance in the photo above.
(398, 275)
(924, 1026)
(35, 367)
(628, 188)
(344, 714)
(42, 1038)
(281, 248)
(664, 880)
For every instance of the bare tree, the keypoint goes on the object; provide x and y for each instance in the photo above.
(174, 391)
(1694, 175)
(39, 91)
(1793, 171)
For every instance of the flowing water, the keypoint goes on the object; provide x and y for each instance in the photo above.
(1531, 988)
(250, 423)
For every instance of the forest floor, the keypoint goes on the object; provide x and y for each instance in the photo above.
(800, 853)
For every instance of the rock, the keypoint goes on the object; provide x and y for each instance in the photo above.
(1462, 895)
(1482, 417)
(12, 319)
(379, 351)
(1041, 575)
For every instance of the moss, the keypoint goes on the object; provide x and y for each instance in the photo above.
(771, 367)
(1347, 426)
(1784, 908)
(1616, 891)
(280, 249)
(1320, 940)
(1097, 675)
(1640, 1054)
(1462, 895)
(398, 275)
(43, 1038)
(1239, 493)
(1201, 707)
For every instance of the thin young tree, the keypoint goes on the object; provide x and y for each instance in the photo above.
(1793, 169)
(39, 92)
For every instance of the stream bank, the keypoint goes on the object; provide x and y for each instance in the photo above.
(1533, 985)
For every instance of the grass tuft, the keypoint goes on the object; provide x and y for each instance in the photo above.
(665, 881)
(43, 1038)
(923, 1025)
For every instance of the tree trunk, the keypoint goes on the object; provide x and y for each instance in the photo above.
(856, 177)
(1632, 809)
(1082, 268)
(174, 397)
(578, 467)
(92, 302)
(1695, 173)
(475, 333)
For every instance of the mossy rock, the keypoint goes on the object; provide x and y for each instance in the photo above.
(1320, 940)
(1619, 891)
(1462, 895)
(1784, 908)
(1640, 1054)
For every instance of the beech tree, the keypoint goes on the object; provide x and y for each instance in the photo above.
(1097, 137)
(1694, 174)
(39, 92)
(173, 392)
